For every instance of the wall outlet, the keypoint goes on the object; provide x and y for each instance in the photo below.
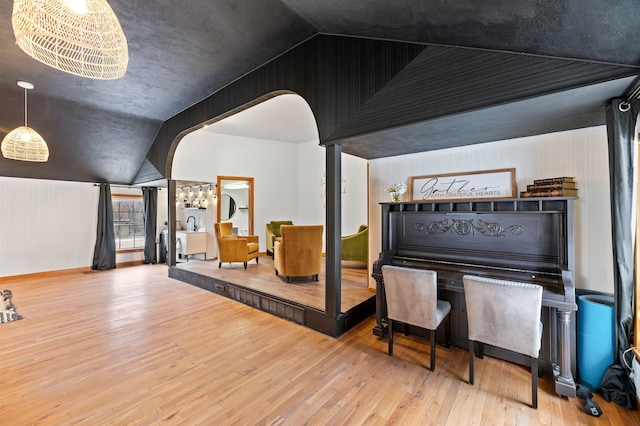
(636, 375)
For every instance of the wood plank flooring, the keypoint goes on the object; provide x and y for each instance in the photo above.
(131, 346)
(302, 290)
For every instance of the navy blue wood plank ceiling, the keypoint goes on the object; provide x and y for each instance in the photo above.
(383, 78)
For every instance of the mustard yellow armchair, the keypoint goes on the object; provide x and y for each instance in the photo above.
(273, 233)
(356, 246)
(299, 253)
(232, 248)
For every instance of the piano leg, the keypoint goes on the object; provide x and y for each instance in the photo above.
(565, 385)
(380, 329)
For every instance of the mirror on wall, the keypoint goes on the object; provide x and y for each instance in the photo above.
(227, 207)
(236, 203)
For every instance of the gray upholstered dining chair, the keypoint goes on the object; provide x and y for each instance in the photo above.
(412, 298)
(505, 314)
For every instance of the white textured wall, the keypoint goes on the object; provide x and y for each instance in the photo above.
(287, 177)
(46, 225)
(202, 156)
(50, 225)
(312, 187)
(355, 190)
(579, 153)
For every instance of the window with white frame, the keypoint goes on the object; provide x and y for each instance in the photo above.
(128, 221)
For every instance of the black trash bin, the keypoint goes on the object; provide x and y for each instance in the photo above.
(163, 247)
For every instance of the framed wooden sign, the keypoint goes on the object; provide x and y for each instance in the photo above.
(500, 183)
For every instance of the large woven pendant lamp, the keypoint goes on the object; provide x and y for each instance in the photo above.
(81, 37)
(23, 143)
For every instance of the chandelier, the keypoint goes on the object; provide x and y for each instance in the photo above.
(81, 37)
(23, 143)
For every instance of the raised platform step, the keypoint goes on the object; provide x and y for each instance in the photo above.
(302, 314)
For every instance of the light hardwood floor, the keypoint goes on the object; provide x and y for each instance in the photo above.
(131, 346)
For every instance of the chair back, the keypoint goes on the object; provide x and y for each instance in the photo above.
(504, 313)
(412, 295)
(273, 232)
(300, 251)
(223, 228)
(274, 226)
(356, 246)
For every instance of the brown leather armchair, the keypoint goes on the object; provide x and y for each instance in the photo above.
(299, 253)
(234, 248)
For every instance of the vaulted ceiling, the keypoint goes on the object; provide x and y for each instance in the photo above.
(182, 52)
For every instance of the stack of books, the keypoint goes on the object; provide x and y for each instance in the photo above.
(551, 187)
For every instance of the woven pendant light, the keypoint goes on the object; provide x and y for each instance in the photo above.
(81, 37)
(23, 143)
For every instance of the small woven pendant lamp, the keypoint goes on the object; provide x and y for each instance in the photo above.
(23, 143)
(81, 37)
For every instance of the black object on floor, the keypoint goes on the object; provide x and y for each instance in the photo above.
(590, 406)
(617, 385)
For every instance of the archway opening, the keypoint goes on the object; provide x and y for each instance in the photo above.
(276, 143)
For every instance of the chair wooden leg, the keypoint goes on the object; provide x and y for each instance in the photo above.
(276, 272)
(480, 350)
(390, 337)
(432, 337)
(245, 265)
(471, 354)
(219, 264)
(534, 383)
(257, 259)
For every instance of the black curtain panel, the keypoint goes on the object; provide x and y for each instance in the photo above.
(621, 123)
(150, 199)
(104, 254)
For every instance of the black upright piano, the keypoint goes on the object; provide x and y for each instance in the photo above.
(520, 239)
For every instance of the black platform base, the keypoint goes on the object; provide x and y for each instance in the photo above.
(292, 311)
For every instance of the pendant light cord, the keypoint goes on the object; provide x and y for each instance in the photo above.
(25, 107)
